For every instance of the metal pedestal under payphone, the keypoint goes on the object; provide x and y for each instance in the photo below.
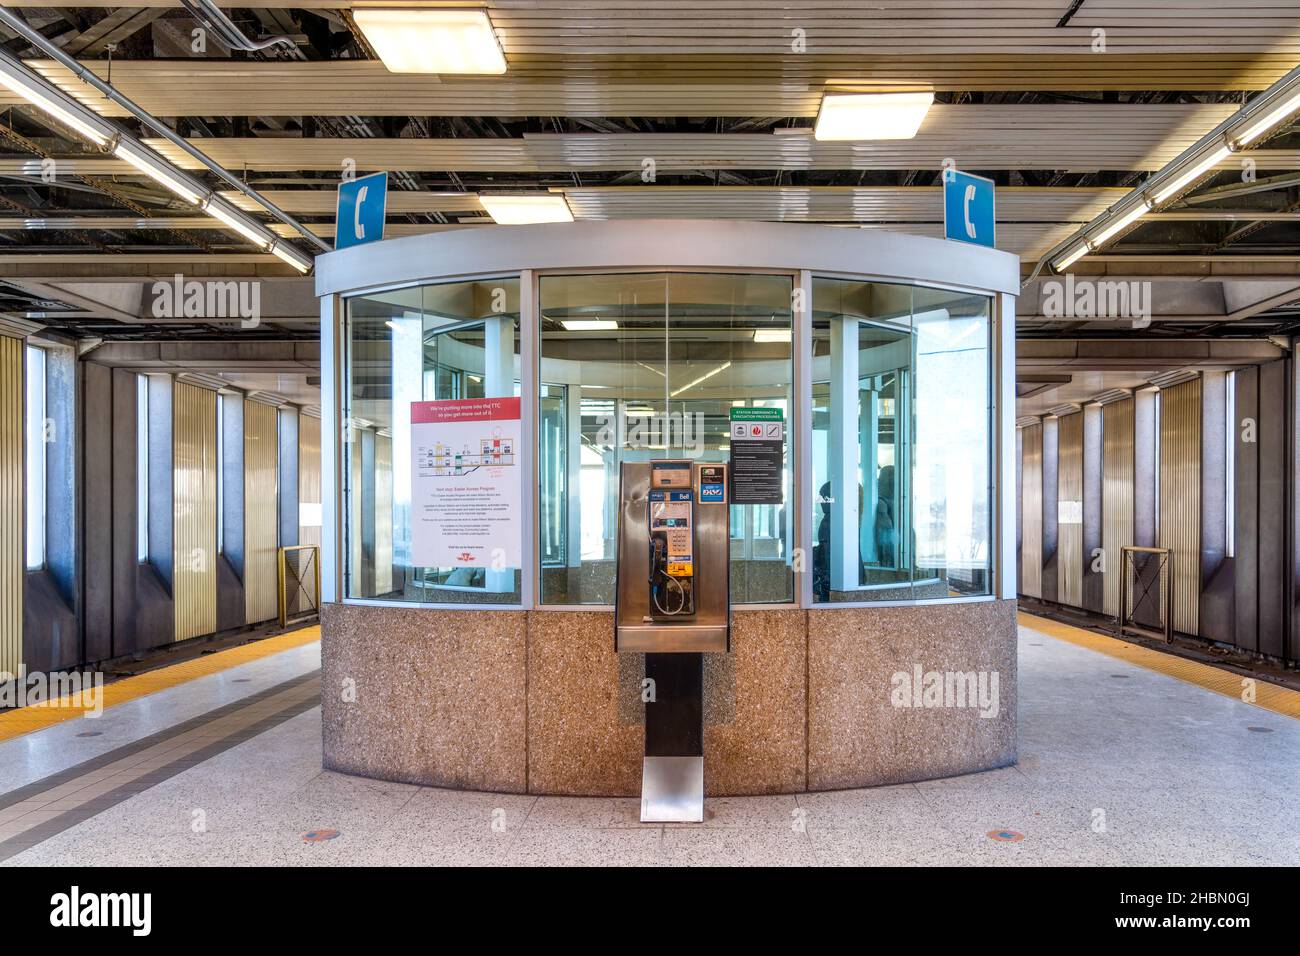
(674, 605)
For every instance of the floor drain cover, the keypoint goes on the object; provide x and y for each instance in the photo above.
(1260, 730)
(320, 836)
(1005, 836)
(241, 680)
(1032, 644)
(98, 733)
(1121, 676)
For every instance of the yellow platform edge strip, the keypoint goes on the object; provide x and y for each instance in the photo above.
(26, 720)
(1279, 700)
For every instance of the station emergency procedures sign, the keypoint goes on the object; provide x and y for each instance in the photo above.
(466, 484)
(757, 456)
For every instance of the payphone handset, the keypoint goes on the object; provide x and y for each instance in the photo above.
(671, 515)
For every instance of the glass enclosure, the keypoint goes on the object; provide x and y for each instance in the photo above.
(638, 365)
(451, 340)
(902, 418)
(649, 365)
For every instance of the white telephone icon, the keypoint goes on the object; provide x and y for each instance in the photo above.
(359, 229)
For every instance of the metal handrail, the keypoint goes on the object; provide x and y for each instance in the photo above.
(1167, 565)
(314, 563)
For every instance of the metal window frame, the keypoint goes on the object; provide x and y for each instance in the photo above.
(335, 403)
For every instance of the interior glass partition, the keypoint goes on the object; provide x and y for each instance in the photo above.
(638, 366)
(451, 340)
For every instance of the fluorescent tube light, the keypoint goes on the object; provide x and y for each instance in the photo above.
(46, 97)
(589, 325)
(1119, 224)
(871, 115)
(703, 378)
(432, 40)
(772, 335)
(1067, 260)
(1268, 121)
(1191, 173)
(291, 255)
(514, 210)
(157, 170)
(253, 231)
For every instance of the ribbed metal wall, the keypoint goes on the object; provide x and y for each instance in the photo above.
(1069, 498)
(309, 497)
(261, 460)
(1180, 496)
(194, 506)
(1031, 511)
(1116, 494)
(12, 545)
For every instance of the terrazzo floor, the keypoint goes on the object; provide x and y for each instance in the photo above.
(1118, 766)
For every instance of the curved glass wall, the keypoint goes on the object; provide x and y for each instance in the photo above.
(649, 365)
(454, 340)
(638, 365)
(902, 419)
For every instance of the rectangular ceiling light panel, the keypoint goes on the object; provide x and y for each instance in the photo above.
(864, 116)
(432, 40)
(522, 210)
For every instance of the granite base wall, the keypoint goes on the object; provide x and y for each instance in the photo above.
(539, 702)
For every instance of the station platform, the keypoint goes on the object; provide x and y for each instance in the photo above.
(1127, 757)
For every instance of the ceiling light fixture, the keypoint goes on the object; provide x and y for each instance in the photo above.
(157, 170)
(703, 378)
(54, 103)
(290, 254)
(589, 325)
(516, 209)
(772, 335)
(1191, 172)
(432, 40)
(860, 116)
(254, 232)
(1272, 117)
(1067, 260)
(1117, 224)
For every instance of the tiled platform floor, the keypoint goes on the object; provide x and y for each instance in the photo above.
(1119, 765)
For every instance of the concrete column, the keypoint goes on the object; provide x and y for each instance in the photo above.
(287, 487)
(1094, 591)
(1051, 512)
(1145, 468)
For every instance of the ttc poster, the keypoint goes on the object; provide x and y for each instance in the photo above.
(466, 484)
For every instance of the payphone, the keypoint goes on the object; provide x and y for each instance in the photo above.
(673, 603)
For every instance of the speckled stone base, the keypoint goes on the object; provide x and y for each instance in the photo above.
(539, 702)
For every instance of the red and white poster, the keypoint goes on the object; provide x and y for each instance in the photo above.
(466, 484)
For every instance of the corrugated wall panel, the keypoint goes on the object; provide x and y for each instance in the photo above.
(1031, 511)
(1117, 494)
(12, 545)
(261, 459)
(1069, 503)
(1180, 496)
(194, 489)
(309, 497)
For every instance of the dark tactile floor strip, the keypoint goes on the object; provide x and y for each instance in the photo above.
(42, 831)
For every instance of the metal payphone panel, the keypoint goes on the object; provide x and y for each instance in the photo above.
(684, 505)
